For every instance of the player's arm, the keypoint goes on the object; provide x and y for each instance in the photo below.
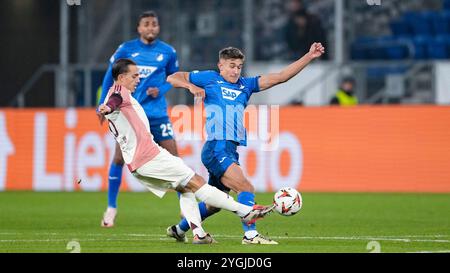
(108, 79)
(171, 67)
(114, 101)
(272, 79)
(181, 80)
(107, 82)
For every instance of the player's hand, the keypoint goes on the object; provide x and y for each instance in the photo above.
(101, 118)
(199, 93)
(104, 109)
(153, 91)
(316, 50)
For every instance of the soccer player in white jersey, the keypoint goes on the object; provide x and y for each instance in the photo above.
(156, 60)
(156, 168)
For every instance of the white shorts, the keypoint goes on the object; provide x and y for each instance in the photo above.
(164, 172)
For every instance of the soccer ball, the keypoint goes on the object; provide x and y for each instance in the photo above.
(287, 201)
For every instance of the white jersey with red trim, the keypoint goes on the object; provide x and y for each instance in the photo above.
(131, 129)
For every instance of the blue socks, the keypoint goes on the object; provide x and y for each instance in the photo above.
(114, 181)
(247, 198)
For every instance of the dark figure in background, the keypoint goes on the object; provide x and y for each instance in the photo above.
(302, 29)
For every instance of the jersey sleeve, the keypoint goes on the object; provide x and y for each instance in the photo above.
(108, 79)
(114, 101)
(202, 78)
(118, 97)
(172, 65)
(252, 83)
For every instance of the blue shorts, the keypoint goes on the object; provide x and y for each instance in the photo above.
(217, 156)
(161, 129)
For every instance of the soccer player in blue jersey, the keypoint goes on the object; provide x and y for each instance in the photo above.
(155, 61)
(224, 91)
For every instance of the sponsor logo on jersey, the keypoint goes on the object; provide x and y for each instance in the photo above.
(135, 54)
(145, 71)
(230, 94)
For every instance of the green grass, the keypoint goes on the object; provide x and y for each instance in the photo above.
(328, 222)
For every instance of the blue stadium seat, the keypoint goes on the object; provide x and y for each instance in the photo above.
(357, 52)
(375, 53)
(441, 23)
(446, 5)
(399, 48)
(427, 32)
(419, 22)
(400, 27)
(420, 46)
(362, 48)
(439, 47)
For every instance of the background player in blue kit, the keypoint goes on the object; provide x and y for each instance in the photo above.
(226, 94)
(155, 60)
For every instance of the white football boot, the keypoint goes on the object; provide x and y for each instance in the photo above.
(258, 240)
(172, 232)
(108, 217)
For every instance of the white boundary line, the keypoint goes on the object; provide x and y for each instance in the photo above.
(406, 239)
(432, 251)
(222, 235)
(159, 237)
(84, 239)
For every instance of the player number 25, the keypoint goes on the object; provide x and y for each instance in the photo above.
(166, 129)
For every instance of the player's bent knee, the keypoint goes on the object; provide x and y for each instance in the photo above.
(195, 183)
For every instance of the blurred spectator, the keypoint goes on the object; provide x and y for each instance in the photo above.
(302, 29)
(345, 95)
(269, 34)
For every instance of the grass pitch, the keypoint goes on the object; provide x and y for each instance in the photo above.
(328, 222)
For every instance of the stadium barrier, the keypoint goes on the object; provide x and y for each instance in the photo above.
(323, 149)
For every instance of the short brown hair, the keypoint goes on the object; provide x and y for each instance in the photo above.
(231, 53)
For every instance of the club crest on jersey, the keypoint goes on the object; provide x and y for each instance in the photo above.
(230, 94)
(145, 71)
(160, 58)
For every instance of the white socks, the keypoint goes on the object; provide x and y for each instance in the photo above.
(189, 208)
(216, 198)
(251, 234)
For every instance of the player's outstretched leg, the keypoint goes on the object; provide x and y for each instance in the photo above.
(218, 199)
(114, 182)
